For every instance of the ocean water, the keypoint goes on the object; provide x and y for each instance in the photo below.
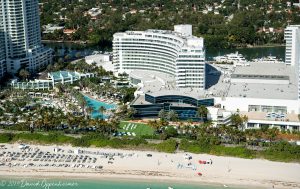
(95, 104)
(43, 183)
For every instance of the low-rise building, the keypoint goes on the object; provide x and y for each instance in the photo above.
(51, 28)
(54, 78)
(69, 31)
(219, 116)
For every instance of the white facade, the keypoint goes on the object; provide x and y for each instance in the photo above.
(282, 125)
(22, 36)
(2, 47)
(265, 105)
(219, 116)
(292, 54)
(174, 53)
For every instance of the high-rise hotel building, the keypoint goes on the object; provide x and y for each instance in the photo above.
(292, 53)
(177, 53)
(20, 37)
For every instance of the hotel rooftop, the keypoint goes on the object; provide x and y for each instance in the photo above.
(259, 80)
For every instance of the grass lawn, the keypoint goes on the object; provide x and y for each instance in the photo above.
(138, 128)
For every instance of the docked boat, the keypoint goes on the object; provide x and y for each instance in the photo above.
(268, 59)
(234, 58)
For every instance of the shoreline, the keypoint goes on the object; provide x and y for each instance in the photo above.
(89, 43)
(262, 46)
(129, 179)
(66, 41)
(160, 167)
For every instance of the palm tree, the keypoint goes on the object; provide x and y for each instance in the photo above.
(162, 114)
(202, 111)
(24, 74)
(154, 124)
(89, 111)
(81, 102)
(245, 120)
(102, 109)
(131, 112)
(239, 121)
(172, 115)
(272, 133)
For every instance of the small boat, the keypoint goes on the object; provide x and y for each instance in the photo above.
(225, 186)
(170, 187)
(234, 58)
(268, 59)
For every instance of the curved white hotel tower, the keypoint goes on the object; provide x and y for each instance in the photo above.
(20, 36)
(177, 53)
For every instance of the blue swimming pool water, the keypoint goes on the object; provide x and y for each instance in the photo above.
(95, 104)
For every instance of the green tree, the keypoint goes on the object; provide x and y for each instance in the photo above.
(239, 121)
(162, 114)
(172, 116)
(202, 112)
(24, 74)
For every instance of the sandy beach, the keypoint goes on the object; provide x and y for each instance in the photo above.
(137, 165)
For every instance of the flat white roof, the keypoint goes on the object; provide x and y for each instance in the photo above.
(220, 88)
(264, 69)
(157, 84)
(188, 40)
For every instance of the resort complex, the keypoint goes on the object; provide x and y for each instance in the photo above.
(177, 53)
(265, 92)
(131, 90)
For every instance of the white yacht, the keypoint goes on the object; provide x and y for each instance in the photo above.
(268, 59)
(234, 58)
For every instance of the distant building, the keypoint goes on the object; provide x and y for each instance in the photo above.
(176, 53)
(292, 38)
(297, 4)
(69, 31)
(51, 28)
(94, 12)
(292, 53)
(20, 37)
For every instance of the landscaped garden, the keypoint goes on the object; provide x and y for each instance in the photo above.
(135, 129)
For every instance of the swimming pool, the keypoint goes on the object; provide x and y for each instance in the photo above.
(95, 104)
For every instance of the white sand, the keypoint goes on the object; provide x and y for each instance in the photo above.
(163, 167)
